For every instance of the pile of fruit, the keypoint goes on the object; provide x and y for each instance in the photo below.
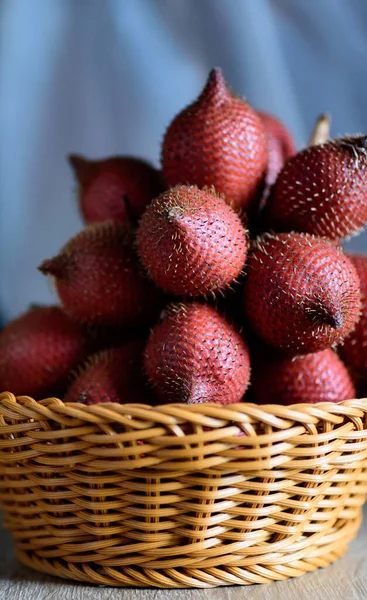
(220, 278)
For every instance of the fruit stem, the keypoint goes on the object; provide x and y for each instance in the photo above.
(321, 130)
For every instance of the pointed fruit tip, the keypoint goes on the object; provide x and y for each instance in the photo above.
(216, 86)
(82, 167)
(76, 161)
(327, 315)
(335, 320)
(174, 213)
(216, 75)
(52, 266)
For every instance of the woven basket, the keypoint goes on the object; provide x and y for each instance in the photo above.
(181, 496)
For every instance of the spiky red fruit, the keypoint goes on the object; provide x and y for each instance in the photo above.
(280, 145)
(191, 242)
(113, 375)
(322, 190)
(99, 280)
(194, 355)
(301, 292)
(218, 140)
(354, 348)
(116, 188)
(38, 351)
(317, 377)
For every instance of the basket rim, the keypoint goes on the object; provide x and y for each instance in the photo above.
(169, 413)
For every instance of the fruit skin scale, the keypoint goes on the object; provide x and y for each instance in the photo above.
(219, 141)
(191, 242)
(301, 293)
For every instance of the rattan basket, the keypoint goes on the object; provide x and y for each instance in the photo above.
(181, 496)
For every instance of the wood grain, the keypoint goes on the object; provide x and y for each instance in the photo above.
(345, 580)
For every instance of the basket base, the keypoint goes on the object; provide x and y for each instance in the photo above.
(313, 557)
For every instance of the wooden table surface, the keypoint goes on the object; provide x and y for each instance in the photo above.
(344, 580)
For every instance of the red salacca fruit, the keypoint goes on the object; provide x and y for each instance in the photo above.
(301, 292)
(113, 375)
(194, 355)
(99, 279)
(218, 140)
(322, 190)
(280, 145)
(38, 350)
(191, 242)
(116, 188)
(317, 377)
(354, 348)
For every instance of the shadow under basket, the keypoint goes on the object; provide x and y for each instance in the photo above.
(181, 496)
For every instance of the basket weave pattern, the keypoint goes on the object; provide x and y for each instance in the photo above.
(181, 496)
